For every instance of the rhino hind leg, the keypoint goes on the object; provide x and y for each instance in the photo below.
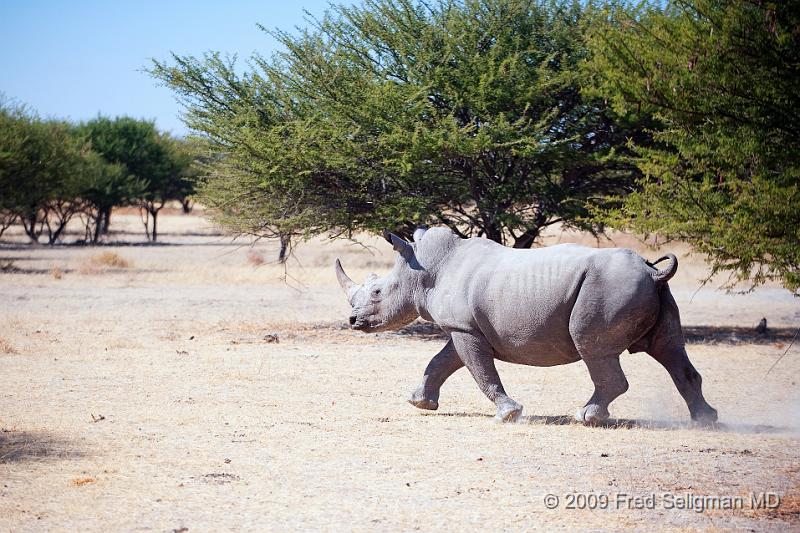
(478, 357)
(438, 370)
(667, 346)
(609, 383)
(687, 380)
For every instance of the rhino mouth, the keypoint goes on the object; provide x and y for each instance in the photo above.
(359, 324)
(366, 326)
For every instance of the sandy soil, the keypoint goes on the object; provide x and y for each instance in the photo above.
(154, 397)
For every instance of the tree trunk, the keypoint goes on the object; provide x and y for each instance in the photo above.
(530, 235)
(54, 236)
(6, 221)
(527, 239)
(29, 225)
(494, 233)
(154, 212)
(285, 242)
(105, 218)
(146, 210)
(98, 227)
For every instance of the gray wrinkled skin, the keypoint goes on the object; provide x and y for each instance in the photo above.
(541, 307)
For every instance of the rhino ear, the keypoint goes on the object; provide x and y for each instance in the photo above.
(419, 232)
(400, 246)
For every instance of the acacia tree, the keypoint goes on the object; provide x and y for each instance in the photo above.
(723, 78)
(104, 186)
(51, 171)
(134, 147)
(40, 172)
(12, 125)
(148, 169)
(392, 114)
(171, 177)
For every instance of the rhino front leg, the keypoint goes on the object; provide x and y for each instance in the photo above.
(478, 357)
(438, 370)
(609, 383)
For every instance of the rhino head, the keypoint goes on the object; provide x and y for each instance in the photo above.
(389, 302)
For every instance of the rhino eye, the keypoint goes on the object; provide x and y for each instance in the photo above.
(376, 293)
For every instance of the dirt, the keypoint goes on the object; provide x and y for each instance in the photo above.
(187, 386)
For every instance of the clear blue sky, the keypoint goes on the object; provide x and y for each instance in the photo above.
(74, 59)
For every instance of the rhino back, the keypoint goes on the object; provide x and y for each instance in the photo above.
(522, 300)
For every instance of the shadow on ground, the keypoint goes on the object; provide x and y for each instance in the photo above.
(693, 334)
(15, 247)
(21, 446)
(629, 423)
(737, 335)
(10, 268)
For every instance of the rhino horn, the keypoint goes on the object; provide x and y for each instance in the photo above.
(346, 283)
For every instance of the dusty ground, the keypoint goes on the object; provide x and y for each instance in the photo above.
(149, 397)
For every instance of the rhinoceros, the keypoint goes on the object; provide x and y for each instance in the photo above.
(541, 307)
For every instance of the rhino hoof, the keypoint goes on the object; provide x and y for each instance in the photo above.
(591, 415)
(424, 403)
(706, 417)
(509, 413)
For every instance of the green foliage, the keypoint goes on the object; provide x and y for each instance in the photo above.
(126, 141)
(397, 113)
(104, 186)
(723, 78)
(172, 176)
(51, 170)
(40, 172)
(127, 144)
(148, 168)
(13, 124)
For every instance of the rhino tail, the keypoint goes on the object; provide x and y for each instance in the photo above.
(663, 275)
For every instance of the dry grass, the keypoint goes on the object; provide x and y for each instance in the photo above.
(57, 273)
(790, 506)
(207, 425)
(6, 347)
(110, 259)
(255, 258)
(104, 261)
